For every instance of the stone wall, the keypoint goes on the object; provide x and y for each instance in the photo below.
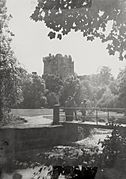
(18, 140)
(62, 66)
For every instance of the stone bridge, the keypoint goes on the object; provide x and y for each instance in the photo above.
(17, 141)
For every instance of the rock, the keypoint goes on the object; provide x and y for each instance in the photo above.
(17, 176)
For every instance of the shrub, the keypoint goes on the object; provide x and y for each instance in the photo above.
(114, 148)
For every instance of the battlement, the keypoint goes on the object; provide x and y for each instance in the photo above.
(58, 57)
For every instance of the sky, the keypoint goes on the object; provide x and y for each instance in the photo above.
(31, 43)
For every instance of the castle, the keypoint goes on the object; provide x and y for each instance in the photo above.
(59, 65)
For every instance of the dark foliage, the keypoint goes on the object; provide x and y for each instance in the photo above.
(33, 88)
(73, 172)
(10, 89)
(91, 17)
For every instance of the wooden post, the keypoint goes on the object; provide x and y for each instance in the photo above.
(56, 114)
(108, 116)
(96, 116)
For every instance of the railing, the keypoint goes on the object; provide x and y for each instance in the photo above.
(97, 115)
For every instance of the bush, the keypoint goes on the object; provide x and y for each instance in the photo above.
(9, 118)
(114, 148)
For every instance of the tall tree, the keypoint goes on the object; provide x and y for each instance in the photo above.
(108, 99)
(71, 88)
(86, 91)
(91, 17)
(10, 91)
(33, 87)
(105, 76)
(122, 88)
(53, 83)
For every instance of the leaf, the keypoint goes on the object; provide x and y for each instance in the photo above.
(59, 36)
(85, 16)
(52, 35)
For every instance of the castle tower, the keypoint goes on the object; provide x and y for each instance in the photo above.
(59, 65)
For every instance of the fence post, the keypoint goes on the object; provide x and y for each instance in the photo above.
(125, 112)
(108, 116)
(56, 114)
(96, 116)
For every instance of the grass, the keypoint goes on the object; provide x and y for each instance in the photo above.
(48, 113)
(32, 112)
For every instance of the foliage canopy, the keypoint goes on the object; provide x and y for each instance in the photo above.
(10, 91)
(91, 17)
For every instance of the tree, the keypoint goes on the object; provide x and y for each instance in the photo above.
(113, 85)
(33, 87)
(86, 90)
(114, 150)
(108, 99)
(53, 83)
(91, 17)
(52, 99)
(122, 88)
(71, 88)
(105, 76)
(92, 88)
(10, 91)
(100, 89)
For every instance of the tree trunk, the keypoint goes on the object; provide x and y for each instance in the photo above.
(1, 110)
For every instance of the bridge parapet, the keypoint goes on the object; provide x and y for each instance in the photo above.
(96, 115)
